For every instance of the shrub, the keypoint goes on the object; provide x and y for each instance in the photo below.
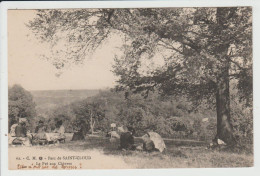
(242, 121)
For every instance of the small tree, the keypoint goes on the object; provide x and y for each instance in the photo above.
(20, 104)
(96, 114)
(89, 111)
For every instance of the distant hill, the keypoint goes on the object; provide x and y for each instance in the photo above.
(48, 99)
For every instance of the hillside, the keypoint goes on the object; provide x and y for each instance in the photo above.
(49, 99)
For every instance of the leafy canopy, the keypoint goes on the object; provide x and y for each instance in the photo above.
(20, 103)
(196, 44)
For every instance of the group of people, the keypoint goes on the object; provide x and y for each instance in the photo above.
(151, 141)
(20, 135)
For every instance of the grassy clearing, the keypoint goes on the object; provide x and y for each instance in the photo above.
(105, 155)
(179, 154)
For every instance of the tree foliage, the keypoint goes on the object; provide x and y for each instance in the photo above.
(190, 39)
(167, 116)
(203, 49)
(20, 104)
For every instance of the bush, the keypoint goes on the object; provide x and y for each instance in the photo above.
(242, 121)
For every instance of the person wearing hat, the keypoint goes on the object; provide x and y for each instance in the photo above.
(40, 131)
(60, 129)
(20, 130)
(21, 137)
(40, 127)
(126, 138)
(13, 127)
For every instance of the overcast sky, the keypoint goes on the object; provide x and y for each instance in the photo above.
(27, 69)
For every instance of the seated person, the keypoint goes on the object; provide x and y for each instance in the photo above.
(20, 130)
(152, 141)
(40, 136)
(148, 144)
(81, 131)
(113, 134)
(21, 135)
(60, 129)
(127, 138)
(40, 128)
(12, 129)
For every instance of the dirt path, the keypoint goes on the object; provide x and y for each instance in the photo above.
(93, 159)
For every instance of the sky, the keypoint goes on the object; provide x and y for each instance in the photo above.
(25, 66)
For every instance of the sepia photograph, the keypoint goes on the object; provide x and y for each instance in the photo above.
(130, 88)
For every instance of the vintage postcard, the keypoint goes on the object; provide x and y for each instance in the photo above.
(130, 88)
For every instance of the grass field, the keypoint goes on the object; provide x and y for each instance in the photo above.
(179, 154)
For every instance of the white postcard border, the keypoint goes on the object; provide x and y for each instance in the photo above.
(120, 4)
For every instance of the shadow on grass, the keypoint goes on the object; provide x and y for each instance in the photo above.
(111, 148)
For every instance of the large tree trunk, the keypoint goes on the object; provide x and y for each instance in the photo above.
(224, 127)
